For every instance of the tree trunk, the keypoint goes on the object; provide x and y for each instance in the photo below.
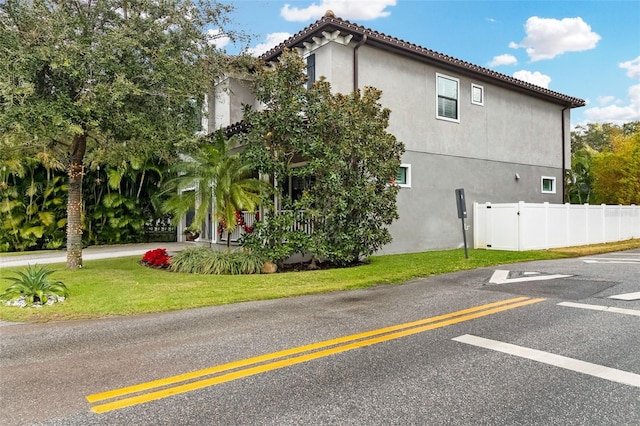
(74, 202)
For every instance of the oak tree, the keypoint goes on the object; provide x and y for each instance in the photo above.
(110, 78)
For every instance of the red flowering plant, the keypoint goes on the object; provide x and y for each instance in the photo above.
(157, 258)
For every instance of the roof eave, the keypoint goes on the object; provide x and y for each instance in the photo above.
(396, 45)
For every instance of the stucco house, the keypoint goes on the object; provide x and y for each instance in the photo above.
(463, 126)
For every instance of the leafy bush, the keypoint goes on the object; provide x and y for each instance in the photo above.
(157, 258)
(203, 260)
(277, 237)
(35, 286)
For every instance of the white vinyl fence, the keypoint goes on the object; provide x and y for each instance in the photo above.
(527, 226)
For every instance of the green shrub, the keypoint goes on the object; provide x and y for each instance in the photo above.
(35, 286)
(203, 260)
(277, 237)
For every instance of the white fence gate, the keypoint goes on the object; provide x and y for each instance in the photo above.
(527, 226)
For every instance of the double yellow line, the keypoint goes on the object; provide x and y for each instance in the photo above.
(187, 382)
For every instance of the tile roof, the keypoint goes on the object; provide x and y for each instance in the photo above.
(374, 38)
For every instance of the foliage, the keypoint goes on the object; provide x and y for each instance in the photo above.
(604, 165)
(337, 142)
(277, 237)
(105, 81)
(157, 258)
(118, 203)
(579, 180)
(617, 172)
(31, 206)
(217, 174)
(203, 260)
(35, 286)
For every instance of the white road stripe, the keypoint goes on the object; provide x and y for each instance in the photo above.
(627, 296)
(501, 276)
(600, 371)
(613, 259)
(601, 308)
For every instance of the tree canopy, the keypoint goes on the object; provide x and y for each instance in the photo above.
(605, 165)
(103, 79)
(337, 144)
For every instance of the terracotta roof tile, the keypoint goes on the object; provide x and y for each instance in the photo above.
(388, 42)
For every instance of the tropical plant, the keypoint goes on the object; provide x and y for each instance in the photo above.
(579, 180)
(203, 260)
(31, 205)
(112, 78)
(35, 286)
(218, 175)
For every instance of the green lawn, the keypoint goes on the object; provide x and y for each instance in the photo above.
(114, 287)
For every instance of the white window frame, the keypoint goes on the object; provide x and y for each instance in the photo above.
(481, 88)
(553, 184)
(457, 81)
(407, 174)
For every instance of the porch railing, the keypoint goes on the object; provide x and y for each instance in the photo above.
(248, 220)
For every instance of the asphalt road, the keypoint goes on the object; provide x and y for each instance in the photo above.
(540, 344)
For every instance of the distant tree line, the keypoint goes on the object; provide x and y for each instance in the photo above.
(605, 164)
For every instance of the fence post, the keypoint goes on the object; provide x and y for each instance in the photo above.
(567, 214)
(488, 223)
(475, 225)
(619, 222)
(546, 225)
(603, 223)
(587, 237)
(522, 223)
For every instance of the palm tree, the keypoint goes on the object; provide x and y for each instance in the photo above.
(216, 174)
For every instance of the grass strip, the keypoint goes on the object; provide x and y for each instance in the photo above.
(121, 286)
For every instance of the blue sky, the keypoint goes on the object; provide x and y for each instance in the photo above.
(586, 49)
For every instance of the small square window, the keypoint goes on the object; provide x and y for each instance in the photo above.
(548, 185)
(403, 177)
(477, 94)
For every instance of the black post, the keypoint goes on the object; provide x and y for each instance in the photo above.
(464, 237)
(462, 214)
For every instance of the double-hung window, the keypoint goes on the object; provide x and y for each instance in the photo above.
(448, 105)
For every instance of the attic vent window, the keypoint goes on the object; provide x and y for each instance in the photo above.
(477, 94)
(447, 98)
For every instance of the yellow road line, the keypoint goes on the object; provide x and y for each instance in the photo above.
(293, 351)
(477, 312)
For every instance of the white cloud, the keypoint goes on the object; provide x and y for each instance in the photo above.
(536, 78)
(273, 40)
(632, 67)
(217, 38)
(547, 38)
(505, 59)
(617, 114)
(603, 100)
(346, 9)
